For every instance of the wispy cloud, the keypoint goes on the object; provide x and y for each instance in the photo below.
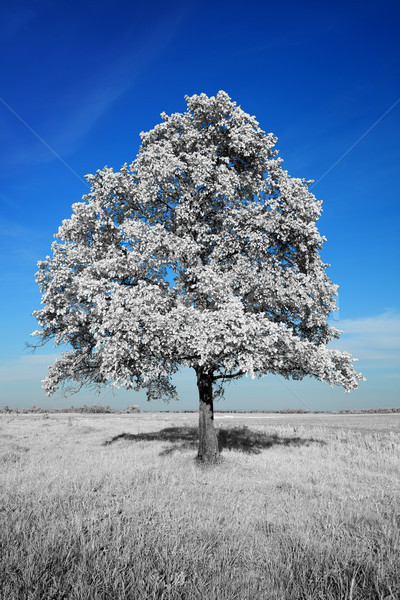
(374, 340)
(83, 100)
(11, 228)
(32, 367)
(13, 19)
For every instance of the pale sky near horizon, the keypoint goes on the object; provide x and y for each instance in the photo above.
(79, 82)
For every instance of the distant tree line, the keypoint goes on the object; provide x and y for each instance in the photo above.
(300, 411)
(94, 408)
(369, 410)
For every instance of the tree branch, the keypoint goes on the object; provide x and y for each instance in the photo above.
(232, 376)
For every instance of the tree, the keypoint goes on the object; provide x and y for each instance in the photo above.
(202, 253)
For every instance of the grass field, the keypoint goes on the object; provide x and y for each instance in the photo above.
(116, 507)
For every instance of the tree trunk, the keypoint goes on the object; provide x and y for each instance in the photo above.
(208, 441)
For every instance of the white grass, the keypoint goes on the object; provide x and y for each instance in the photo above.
(296, 510)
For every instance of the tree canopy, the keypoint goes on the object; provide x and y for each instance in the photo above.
(202, 253)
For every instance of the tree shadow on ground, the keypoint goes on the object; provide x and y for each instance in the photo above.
(235, 438)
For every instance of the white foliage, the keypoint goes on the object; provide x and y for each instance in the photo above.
(207, 200)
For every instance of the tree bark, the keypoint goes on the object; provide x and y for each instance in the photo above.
(208, 440)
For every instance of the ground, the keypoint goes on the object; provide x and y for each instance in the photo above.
(116, 506)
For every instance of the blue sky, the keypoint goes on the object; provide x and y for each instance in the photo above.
(87, 78)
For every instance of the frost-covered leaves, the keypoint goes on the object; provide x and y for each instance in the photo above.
(202, 253)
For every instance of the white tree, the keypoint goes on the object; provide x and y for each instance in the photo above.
(203, 253)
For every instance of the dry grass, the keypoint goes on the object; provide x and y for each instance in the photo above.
(116, 507)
